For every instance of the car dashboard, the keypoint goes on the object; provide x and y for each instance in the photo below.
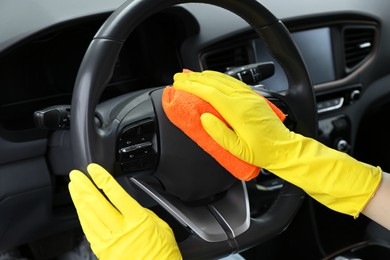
(343, 44)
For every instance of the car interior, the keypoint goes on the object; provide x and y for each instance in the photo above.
(81, 82)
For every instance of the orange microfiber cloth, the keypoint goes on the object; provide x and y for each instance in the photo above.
(184, 110)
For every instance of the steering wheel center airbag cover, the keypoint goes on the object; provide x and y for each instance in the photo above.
(185, 170)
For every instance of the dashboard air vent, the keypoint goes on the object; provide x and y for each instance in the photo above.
(358, 44)
(222, 60)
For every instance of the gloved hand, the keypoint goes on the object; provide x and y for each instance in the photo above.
(257, 136)
(122, 229)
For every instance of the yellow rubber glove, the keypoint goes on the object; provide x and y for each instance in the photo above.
(122, 229)
(333, 178)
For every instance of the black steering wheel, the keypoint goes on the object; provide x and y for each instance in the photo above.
(132, 138)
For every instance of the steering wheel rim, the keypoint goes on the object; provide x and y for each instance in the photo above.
(96, 70)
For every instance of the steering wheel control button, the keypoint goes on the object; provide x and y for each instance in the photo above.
(137, 148)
